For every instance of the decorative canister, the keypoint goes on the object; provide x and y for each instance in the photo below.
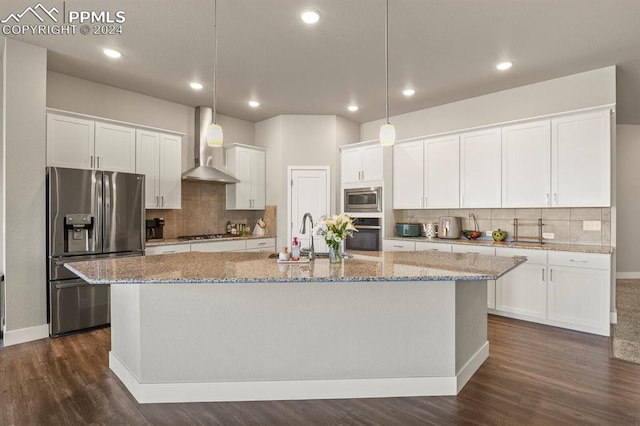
(430, 230)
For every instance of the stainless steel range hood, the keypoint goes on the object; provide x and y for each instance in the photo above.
(204, 154)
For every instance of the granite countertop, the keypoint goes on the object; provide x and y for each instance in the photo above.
(578, 248)
(248, 267)
(169, 241)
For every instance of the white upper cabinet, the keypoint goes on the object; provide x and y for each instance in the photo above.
(442, 172)
(86, 144)
(158, 157)
(408, 175)
(361, 164)
(480, 168)
(70, 142)
(115, 148)
(426, 173)
(526, 165)
(247, 164)
(581, 160)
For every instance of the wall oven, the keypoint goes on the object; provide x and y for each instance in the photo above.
(368, 237)
(361, 200)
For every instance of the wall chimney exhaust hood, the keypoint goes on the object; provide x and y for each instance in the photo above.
(204, 154)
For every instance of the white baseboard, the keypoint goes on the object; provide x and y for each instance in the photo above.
(146, 393)
(23, 335)
(627, 275)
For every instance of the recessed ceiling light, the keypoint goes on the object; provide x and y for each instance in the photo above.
(196, 86)
(408, 92)
(310, 16)
(352, 108)
(502, 66)
(112, 53)
(254, 104)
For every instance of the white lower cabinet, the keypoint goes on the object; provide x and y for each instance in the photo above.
(398, 245)
(167, 249)
(217, 246)
(579, 295)
(523, 291)
(261, 244)
(428, 246)
(249, 244)
(567, 289)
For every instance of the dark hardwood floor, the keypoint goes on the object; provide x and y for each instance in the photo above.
(535, 375)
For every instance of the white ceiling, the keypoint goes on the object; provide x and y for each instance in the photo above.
(445, 49)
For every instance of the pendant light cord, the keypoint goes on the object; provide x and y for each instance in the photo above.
(215, 56)
(386, 58)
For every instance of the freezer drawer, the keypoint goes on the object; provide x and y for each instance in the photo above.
(75, 305)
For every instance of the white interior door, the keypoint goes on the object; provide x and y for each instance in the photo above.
(309, 193)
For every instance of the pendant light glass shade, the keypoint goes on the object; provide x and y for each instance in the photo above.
(214, 135)
(387, 131)
(387, 135)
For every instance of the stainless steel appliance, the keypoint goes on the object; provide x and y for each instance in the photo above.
(90, 214)
(155, 228)
(359, 200)
(368, 237)
(450, 227)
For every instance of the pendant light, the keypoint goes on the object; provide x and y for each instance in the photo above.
(214, 131)
(387, 131)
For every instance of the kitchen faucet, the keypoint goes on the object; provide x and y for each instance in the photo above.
(303, 230)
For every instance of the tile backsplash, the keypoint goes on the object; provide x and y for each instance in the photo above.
(565, 223)
(204, 212)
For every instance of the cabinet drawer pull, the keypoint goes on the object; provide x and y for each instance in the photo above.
(578, 261)
(262, 244)
(550, 274)
(92, 161)
(97, 162)
(157, 201)
(542, 270)
(398, 246)
(168, 251)
(473, 252)
(162, 198)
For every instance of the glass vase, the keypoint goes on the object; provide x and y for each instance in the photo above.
(334, 255)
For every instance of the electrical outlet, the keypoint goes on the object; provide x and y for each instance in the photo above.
(591, 225)
(488, 233)
(548, 235)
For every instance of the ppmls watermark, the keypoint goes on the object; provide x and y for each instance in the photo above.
(54, 21)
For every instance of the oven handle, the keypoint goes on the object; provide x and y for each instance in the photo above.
(368, 227)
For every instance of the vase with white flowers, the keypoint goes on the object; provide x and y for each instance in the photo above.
(335, 229)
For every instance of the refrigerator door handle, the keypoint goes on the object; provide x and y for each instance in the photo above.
(98, 211)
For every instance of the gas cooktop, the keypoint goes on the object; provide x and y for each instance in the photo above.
(203, 237)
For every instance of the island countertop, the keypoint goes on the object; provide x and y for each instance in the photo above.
(248, 267)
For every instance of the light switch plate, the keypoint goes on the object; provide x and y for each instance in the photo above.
(548, 235)
(591, 225)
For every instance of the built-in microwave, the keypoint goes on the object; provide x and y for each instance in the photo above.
(359, 200)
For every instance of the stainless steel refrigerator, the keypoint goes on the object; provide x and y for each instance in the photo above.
(91, 214)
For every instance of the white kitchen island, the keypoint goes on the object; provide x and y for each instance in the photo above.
(192, 327)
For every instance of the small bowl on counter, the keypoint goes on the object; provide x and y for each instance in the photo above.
(471, 235)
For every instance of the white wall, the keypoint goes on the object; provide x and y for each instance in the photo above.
(587, 89)
(628, 201)
(301, 140)
(86, 97)
(24, 195)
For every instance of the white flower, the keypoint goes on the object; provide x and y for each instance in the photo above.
(335, 229)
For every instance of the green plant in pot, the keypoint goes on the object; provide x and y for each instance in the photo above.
(499, 235)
